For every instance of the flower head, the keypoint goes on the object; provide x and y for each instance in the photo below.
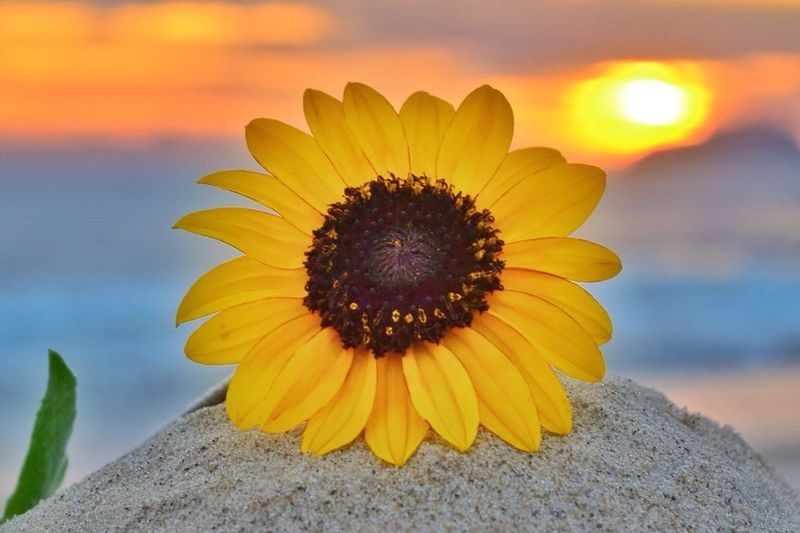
(413, 273)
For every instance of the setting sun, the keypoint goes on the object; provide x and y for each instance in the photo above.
(653, 102)
(632, 107)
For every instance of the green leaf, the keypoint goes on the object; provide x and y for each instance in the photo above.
(46, 462)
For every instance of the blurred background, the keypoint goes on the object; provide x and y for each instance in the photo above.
(110, 111)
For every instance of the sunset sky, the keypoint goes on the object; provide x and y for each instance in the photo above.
(605, 81)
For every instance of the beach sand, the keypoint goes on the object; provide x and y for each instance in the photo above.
(633, 462)
(762, 405)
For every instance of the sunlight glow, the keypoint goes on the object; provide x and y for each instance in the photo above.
(652, 102)
(636, 106)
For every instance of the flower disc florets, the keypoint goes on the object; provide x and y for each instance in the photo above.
(401, 261)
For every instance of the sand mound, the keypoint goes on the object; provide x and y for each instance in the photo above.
(634, 461)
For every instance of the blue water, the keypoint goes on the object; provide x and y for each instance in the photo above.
(90, 267)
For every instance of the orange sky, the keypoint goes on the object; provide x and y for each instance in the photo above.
(133, 71)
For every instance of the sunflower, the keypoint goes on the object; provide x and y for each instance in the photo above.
(411, 273)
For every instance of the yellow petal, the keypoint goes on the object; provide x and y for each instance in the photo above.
(309, 380)
(254, 377)
(442, 393)
(325, 117)
(571, 298)
(425, 119)
(516, 166)
(550, 203)
(504, 400)
(561, 340)
(260, 235)
(339, 422)
(226, 337)
(239, 281)
(551, 401)
(476, 141)
(295, 158)
(394, 430)
(270, 192)
(565, 257)
(377, 128)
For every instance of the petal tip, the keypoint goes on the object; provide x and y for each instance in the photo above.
(357, 87)
(310, 95)
(254, 122)
(596, 377)
(488, 89)
(619, 264)
(185, 222)
(180, 223)
(183, 314)
(464, 443)
(255, 125)
(352, 86)
(208, 179)
(232, 416)
(566, 429)
(528, 447)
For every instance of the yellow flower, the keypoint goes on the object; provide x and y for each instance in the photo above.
(417, 275)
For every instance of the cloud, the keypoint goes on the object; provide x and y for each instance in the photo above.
(513, 35)
(167, 22)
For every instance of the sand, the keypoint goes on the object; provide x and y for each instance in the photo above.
(633, 462)
(761, 405)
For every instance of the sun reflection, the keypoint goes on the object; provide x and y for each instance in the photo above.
(636, 106)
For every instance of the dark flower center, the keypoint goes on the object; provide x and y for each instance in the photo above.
(401, 261)
(403, 256)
